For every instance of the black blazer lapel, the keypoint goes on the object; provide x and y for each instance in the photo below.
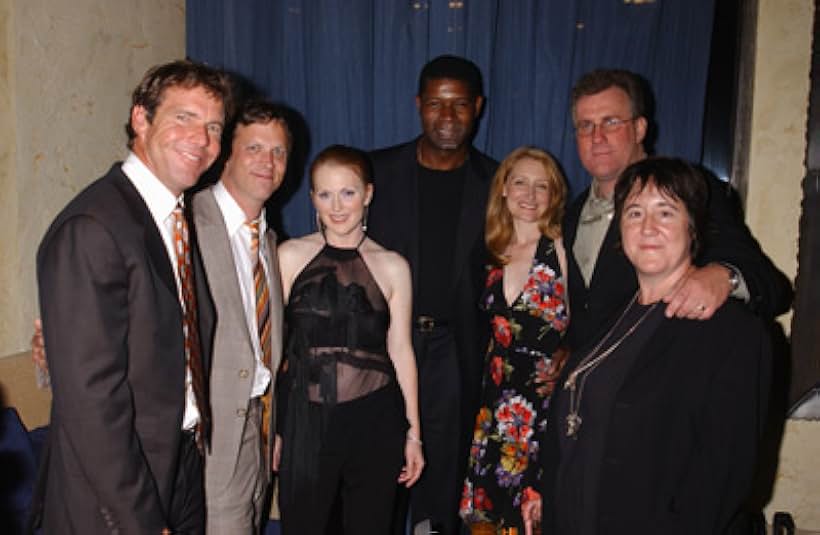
(573, 215)
(610, 247)
(471, 217)
(157, 253)
(411, 198)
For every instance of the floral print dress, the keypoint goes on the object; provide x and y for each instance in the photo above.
(521, 367)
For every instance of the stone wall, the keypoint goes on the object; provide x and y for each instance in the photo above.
(66, 73)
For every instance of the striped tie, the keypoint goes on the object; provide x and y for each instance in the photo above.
(193, 354)
(260, 284)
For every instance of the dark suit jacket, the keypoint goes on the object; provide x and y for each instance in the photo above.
(394, 223)
(682, 438)
(112, 324)
(614, 282)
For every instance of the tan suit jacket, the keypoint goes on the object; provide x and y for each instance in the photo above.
(233, 362)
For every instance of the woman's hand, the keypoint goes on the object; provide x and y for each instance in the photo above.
(531, 513)
(413, 461)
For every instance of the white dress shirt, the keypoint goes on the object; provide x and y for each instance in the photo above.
(240, 237)
(161, 203)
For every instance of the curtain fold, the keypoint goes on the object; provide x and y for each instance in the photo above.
(350, 68)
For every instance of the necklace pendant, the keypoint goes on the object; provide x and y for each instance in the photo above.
(573, 424)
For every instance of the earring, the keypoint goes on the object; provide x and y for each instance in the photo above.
(319, 225)
(364, 217)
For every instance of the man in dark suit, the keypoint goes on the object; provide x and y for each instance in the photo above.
(611, 123)
(128, 321)
(429, 201)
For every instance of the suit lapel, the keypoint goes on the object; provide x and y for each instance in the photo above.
(411, 198)
(157, 252)
(609, 247)
(471, 218)
(570, 227)
(217, 255)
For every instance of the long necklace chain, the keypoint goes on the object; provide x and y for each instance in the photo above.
(589, 363)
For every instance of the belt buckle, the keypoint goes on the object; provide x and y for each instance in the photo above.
(426, 323)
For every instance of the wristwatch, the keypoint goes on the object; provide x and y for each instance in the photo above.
(734, 278)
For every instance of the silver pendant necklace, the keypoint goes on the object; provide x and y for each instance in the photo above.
(577, 378)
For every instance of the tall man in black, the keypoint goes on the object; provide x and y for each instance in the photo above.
(609, 109)
(128, 321)
(429, 202)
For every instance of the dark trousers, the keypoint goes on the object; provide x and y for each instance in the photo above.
(361, 456)
(436, 494)
(187, 513)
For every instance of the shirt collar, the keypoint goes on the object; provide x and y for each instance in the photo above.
(233, 215)
(161, 202)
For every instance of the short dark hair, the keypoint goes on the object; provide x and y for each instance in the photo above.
(453, 68)
(257, 111)
(181, 73)
(676, 179)
(602, 79)
(350, 157)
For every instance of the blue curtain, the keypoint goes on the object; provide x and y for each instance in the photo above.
(350, 67)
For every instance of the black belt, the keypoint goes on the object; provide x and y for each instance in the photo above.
(427, 324)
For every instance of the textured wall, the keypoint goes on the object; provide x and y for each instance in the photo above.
(778, 144)
(797, 488)
(776, 168)
(66, 73)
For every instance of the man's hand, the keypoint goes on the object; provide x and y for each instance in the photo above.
(277, 452)
(699, 293)
(38, 347)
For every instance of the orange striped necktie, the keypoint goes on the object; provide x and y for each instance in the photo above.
(190, 330)
(263, 324)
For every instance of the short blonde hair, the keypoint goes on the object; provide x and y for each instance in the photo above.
(499, 225)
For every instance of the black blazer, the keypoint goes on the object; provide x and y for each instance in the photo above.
(112, 324)
(682, 440)
(394, 223)
(614, 282)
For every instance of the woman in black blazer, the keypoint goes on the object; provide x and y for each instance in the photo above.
(655, 427)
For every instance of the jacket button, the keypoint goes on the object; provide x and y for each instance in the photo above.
(243, 374)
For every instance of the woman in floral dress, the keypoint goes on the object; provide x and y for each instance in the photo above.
(525, 298)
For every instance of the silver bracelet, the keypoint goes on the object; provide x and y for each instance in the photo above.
(412, 438)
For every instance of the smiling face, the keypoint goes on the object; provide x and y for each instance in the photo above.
(656, 235)
(340, 196)
(182, 140)
(606, 154)
(448, 111)
(527, 190)
(259, 159)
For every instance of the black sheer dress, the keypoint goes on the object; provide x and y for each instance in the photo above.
(344, 420)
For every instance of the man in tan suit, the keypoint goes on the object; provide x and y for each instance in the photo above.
(239, 253)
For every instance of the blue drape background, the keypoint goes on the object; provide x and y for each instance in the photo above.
(350, 67)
